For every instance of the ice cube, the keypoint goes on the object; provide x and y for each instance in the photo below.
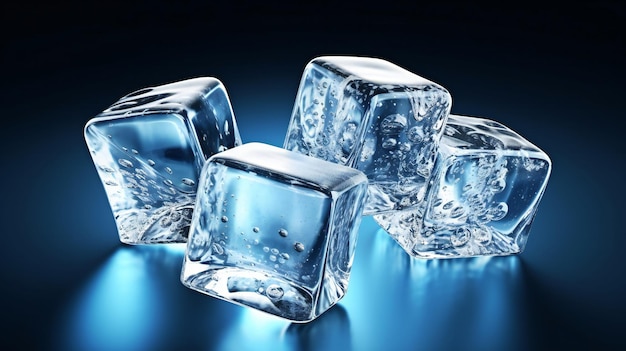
(274, 230)
(486, 188)
(372, 115)
(149, 148)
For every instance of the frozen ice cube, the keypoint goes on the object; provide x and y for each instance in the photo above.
(274, 230)
(486, 187)
(149, 148)
(372, 115)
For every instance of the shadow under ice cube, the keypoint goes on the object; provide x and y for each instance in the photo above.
(274, 230)
(149, 148)
(486, 187)
(375, 116)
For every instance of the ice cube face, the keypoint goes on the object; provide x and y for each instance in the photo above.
(486, 188)
(149, 148)
(372, 115)
(274, 230)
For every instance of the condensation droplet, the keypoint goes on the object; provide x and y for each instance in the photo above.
(389, 143)
(457, 212)
(274, 251)
(283, 232)
(168, 170)
(274, 292)
(284, 255)
(460, 237)
(188, 182)
(482, 235)
(151, 163)
(298, 246)
(224, 219)
(124, 162)
(499, 211)
(218, 249)
(255, 229)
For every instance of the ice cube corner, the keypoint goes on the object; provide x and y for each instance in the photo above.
(375, 116)
(483, 197)
(274, 230)
(149, 148)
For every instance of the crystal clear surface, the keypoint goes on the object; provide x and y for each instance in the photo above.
(372, 115)
(487, 185)
(271, 235)
(149, 148)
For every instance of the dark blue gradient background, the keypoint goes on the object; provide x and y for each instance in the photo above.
(554, 74)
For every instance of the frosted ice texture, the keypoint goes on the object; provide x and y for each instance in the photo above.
(375, 116)
(486, 187)
(149, 148)
(274, 230)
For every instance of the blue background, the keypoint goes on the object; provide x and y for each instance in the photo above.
(553, 74)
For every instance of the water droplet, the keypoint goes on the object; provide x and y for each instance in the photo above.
(134, 151)
(188, 182)
(125, 163)
(460, 237)
(393, 124)
(415, 134)
(389, 143)
(151, 163)
(168, 170)
(274, 292)
(110, 182)
(482, 235)
(283, 232)
(457, 212)
(218, 249)
(168, 182)
(499, 211)
(175, 216)
(255, 229)
(273, 258)
(298, 247)
(266, 249)
(497, 185)
(448, 205)
(165, 222)
(274, 251)
(224, 219)
(284, 255)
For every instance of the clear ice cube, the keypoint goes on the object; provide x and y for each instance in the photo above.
(486, 187)
(274, 230)
(149, 148)
(372, 115)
